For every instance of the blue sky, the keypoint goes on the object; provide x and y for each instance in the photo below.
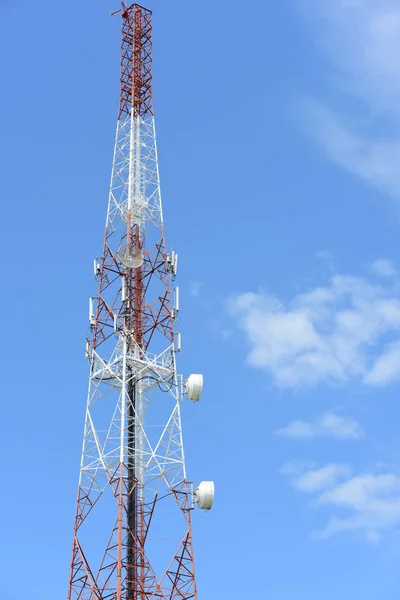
(279, 140)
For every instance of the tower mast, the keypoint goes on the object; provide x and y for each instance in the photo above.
(133, 487)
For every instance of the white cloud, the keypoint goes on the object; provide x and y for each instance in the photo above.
(373, 501)
(297, 430)
(362, 38)
(328, 425)
(317, 480)
(330, 334)
(375, 161)
(340, 427)
(386, 368)
(369, 503)
(384, 268)
(195, 287)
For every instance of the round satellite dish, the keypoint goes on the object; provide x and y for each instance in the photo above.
(131, 258)
(194, 387)
(205, 495)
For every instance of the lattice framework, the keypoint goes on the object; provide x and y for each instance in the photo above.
(133, 465)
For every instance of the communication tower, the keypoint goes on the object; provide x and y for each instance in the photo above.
(132, 535)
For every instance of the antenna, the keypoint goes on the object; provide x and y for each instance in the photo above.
(131, 256)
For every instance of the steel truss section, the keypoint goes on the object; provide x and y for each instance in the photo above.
(133, 490)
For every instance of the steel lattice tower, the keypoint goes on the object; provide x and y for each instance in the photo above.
(133, 489)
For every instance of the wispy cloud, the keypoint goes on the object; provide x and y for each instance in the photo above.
(195, 287)
(384, 268)
(345, 330)
(362, 39)
(376, 161)
(320, 479)
(371, 500)
(328, 425)
(386, 367)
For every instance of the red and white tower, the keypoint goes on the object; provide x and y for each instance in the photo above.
(132, 535)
